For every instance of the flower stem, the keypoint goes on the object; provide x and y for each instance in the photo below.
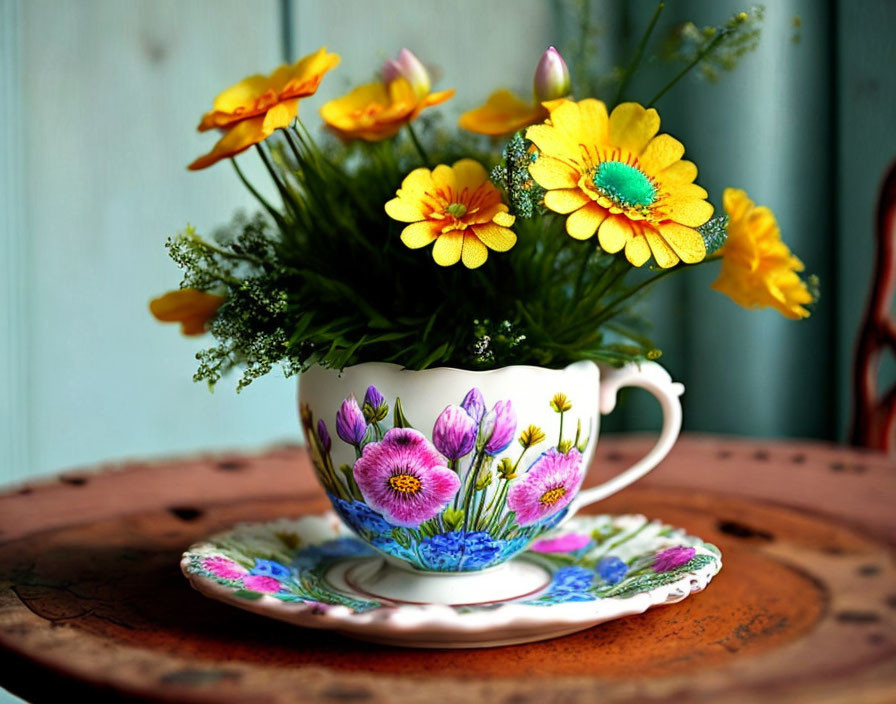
(702, 54)
(420, 150)
(267, 206)
(639, 52)
(284, 193)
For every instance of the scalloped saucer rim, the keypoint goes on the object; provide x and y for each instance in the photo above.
(570, 603)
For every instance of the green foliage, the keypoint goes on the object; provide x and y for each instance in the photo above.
(328, 281)
(714, 233)
(714, 49)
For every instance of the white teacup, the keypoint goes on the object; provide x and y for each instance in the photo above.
(453, 471)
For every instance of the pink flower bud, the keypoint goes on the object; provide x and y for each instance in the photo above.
(498, 427)
(408, 67)
(454, 433)
(551, 77)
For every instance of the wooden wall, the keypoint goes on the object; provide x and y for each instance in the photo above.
(100, 102)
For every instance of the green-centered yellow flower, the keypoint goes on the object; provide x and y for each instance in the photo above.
(615, 176)
(758, 269)
(192, 308)
(249, 111)
(458, 209)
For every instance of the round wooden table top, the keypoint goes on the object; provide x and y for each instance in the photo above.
(92, 601)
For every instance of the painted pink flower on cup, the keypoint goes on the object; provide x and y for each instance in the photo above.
(564, 543)
(261, 583)
(550, 484)
(672, 558)
(454, 433)
(224, 568)
(405, 478)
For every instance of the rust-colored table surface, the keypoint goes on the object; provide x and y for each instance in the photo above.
(92, 602)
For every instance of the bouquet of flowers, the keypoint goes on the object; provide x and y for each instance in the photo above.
(523, 238)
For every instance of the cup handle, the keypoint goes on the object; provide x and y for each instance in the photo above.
(652, 377)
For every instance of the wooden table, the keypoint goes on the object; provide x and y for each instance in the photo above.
(92, 601)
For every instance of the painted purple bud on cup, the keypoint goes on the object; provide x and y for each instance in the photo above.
(454, 433)
(500, 426)
(410, 68)
(474, 404)
(374, 407)
(350, 423)
(551, 77)
(324, 435)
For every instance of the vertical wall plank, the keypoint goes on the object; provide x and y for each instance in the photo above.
(13, 250)
(112, 92)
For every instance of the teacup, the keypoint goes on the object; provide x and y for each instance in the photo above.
(454, 471)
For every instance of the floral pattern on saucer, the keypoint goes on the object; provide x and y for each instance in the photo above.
(591, 559)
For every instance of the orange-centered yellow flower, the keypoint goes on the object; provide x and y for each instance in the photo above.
(192, 308)
(377, 111)
(615, 176)
(458, 208)
(251, 110)
(757, 267)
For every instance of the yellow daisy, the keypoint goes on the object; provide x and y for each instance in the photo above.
(757, 267)
(615, 176)
(458, 208)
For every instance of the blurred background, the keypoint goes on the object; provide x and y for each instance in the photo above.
(100, 99)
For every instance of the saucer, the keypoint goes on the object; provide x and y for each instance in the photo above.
(313, 572)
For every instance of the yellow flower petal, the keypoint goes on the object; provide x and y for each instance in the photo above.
(565, 200)
(632, 126)
(443, 176)
(237, 139)
(448, 247)
(583, 223)
(404, 210)
(637, 251)
(662, 151)
(501, 114)
(474, 252)
(495, 237)
(192, 308)
(469, 173)
(736, 203)
(550, 140)
(551, 173)
(662, 252)
(416, 183)
(503, 218)
(567, 118)
(281, 115)
(594, 118)
(685, 241)
(419, 234)
(681, 172)
(687, 211)
(614, 232)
